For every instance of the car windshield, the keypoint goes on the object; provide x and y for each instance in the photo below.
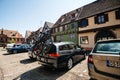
(107, 48)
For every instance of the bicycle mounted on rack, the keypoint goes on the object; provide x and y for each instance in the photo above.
(43, 42)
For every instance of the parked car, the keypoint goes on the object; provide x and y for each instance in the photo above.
(104, 60)
(62, 54)
(32, 53)
(18, 49)
(11, 45)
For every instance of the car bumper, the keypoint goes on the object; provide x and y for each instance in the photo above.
(95, 75)
(51, 62)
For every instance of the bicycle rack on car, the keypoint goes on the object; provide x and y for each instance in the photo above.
(43, 41)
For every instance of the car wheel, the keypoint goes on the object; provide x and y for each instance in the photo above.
(31, 57)
(69, 63)
(84, 56)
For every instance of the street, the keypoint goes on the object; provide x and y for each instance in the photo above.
(20, 67)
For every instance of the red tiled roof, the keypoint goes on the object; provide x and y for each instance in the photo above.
(11, 33)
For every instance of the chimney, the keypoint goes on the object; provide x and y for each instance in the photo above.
(2, 31)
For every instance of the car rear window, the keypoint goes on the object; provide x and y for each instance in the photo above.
(107, 48)
(52, 49)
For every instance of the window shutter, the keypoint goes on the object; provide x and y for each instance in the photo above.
(117, 14)
(106, 17)
(79, 23)
(87, 22)
(96, 20)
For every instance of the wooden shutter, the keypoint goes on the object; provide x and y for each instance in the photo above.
(87, 22)
(106, 17)
(117, 14)
(96, 20)
(79, 23)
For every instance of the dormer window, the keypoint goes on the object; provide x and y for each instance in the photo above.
(73, 15)
(62, 19)
(14, 35)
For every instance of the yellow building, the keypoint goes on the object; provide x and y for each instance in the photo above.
(98, 21)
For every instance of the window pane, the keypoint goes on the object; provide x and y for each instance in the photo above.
(84, 40)
(101, 19)
(83, 23)
(108, 48)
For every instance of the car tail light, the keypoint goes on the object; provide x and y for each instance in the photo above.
(35, 49)
(90, 59)
(54, 54)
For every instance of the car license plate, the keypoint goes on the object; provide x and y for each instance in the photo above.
(113, 64)
(43, 59)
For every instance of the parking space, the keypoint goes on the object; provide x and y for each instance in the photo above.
(20, 67)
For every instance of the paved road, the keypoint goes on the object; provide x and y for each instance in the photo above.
(1, 74)
(20, 67)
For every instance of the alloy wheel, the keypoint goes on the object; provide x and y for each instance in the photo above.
(70, 63)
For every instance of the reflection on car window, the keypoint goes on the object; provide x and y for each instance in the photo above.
(112, 48)
(72, 46)
(63, 47)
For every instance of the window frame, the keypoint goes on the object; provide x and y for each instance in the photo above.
(101, 18)
(84, 37)
(85, 21)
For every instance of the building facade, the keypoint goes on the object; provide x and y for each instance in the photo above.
(66, 28)
(96, 21)
(100, 20)
(10, 36)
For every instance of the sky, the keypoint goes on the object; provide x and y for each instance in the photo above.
(22, 15)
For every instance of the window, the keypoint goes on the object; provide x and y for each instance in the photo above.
(73, 16)
(63, 47)
(117, 14)
(62, 19)
(83, 23)
(72, 25)
(66, 27)
(61, 28)
(107, 47)
(101, 18)
(56, 30)
(72, 46)
(72, 36)
(84, 40)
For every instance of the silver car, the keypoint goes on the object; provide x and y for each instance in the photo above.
(104, 60)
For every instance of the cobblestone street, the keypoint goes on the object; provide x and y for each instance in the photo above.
(20, 67)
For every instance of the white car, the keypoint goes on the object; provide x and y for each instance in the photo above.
(11, 45)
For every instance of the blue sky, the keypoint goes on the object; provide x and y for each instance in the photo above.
(22, 15)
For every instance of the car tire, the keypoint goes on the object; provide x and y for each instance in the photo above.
(69, 63)
(92, 79)
(14, 51)
(84, 56)
(31, 57)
